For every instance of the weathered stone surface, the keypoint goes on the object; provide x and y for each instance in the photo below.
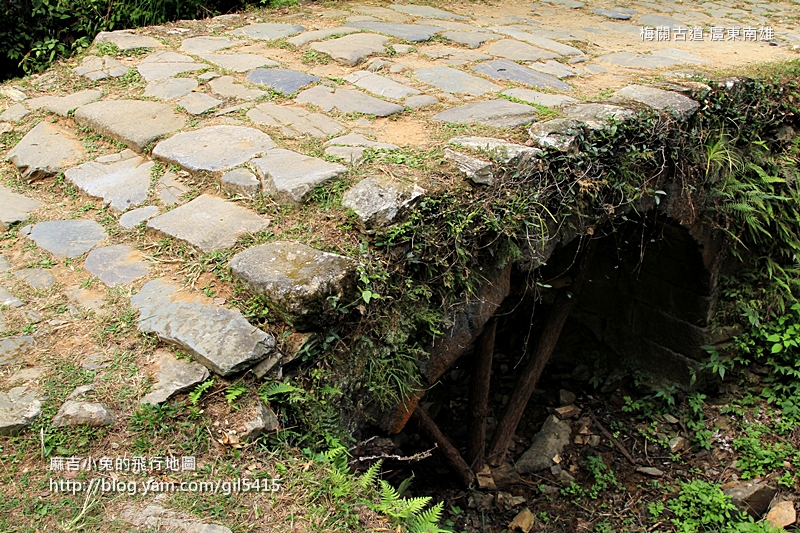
(347, 101)
(380, 201)
(751, 497)
(170, 189)
(681, 105)
(453, 56)
(473, 39)
(408, 32)
(572, 4)
(782, 514)
(126, 40)
(26, 375)
(517, 51)
(537, 40)
(239, 62)
(6, 298)
(76, 413)
(658, 59)
(499, 113)
(163, 64)
(650, 471)
(267, 31)
(213, 148)
(351, 147)
(283, 80)
(157, 517)
(296, 280)
(173, 376)
(120, 184)
(15, 113)
(134, 122)
(241, 182)
(62, 105)
(208, 223)
(289, 177)
(18, 408)
(99, 68)
(317, 35)
(503, 69)
(382, 13)
(656, 21)
(597, 115)
(263, 420)
(352, 49)
(14, 208)
(14, 349)
(476, 170)
(13, 93)
(549, 442)
(545, 99)
(46, 150)
(219, 338)
(226, 87)
(170, 88)
(295, 121)
(206, 44)
(131, 219)
(198, 103)
(455, 81)
(4, 266)
(557, 133)
(554, 68)
(497, 149)
(90, 300)
(426, 12)
(67, 238)
(424, 100)
(38, 278)
(380, 85)
(610, 13)
(116, 265)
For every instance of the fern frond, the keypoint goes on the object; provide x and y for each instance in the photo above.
(368, 478)
(427, 521)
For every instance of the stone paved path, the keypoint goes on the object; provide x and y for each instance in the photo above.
(199, 115)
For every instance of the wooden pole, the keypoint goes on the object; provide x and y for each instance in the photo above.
(541, 355)
(449, 451)
(479, 395)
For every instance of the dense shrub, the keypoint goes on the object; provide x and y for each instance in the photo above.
(34, 32)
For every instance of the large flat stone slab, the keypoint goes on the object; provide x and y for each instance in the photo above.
(67, 238)
(290, 177)
(6, 298)
(198, 103)
(14, 349)
(318, 35)
(408, 32)
(503, 69)
(226, 87)
(206, 44)
(239, 62)
(517, 51)
(297, 281)
(62, 105)
(380, 85)
(267, 31)
(497, 149)
(163, 64)
(294, 120)
(283, 80)
(131, 219)
(382, 13)
(535, 97)
(351, 147)
(347, 101)
(45, 151)
(119, 184)
(213, 148)
(173, 376)
(99, 68)
(426, 12)
(208, 223)
(554, 68)
(116, 265)
(455, 81)
(219, 338)
(681, 105)
(16, 112)
(473, 39)
(498, 113)
(658, 59)
(597, 115)
(18, 409)
(170, 88)
(380, 201)
(38, 278)
(453, 56)
(126, 40)
(352, 49)
(537, 40)
(134, 122)
(14, 208)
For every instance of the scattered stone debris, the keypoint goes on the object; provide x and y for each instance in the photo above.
(77, 413)
(18, 409)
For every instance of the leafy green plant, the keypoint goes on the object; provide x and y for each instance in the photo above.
(232, 393)
(701, 506)
(199, 390)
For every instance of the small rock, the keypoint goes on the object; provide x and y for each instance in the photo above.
(782, 514)
(38, 278)
(547, 444)
(15, 113)
(264, 420)
(173, 376)
(505, 501)
(80, 391)
(73, 413)
(505, 476)
(476, 170)
(131, 219)
(650, 471)
(568, 411)
(241, 182)
(565, 477)
(751, 497)
(523, 521)
(46, 150)
(676, 444)
(566, 397)
(18, 408)
(155, 517)
(594, 441)
(485, 479)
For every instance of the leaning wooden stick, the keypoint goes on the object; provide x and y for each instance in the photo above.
(479, 395)
(541, 355)
(451, 455)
